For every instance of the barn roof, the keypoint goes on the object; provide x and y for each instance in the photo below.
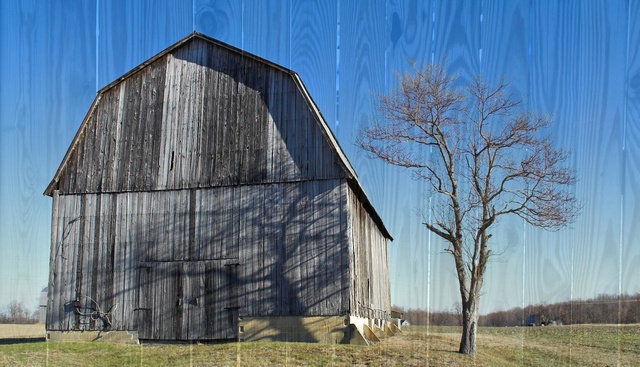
(335, 146)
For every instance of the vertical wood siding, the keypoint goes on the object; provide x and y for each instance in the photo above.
(203, 187)
(199, 116)
(369, 268)
(259, 250)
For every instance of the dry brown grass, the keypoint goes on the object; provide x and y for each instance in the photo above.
(590, 345)
(9, 331)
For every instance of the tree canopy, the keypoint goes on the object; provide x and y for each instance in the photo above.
(483, 156)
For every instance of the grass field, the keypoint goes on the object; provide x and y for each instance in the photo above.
(583, 345)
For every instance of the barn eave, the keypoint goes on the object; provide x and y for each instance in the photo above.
(53, 185)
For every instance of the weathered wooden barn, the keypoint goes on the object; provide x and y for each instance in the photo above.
(204, 197)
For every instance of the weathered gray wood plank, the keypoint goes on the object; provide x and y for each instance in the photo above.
(132, 158)
(118, 137)
(115, 256)
(345, 250)
(145, 312)
(132, 260)
(53, 295)
(74, 239)
(275, 134)
(139, 153)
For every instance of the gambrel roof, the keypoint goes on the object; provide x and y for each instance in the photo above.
(203, 113)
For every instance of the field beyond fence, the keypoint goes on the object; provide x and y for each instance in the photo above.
(577, 345)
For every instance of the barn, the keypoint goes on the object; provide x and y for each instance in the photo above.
(205, 198)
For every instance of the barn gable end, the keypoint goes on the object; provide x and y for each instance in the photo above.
(204, 188)
(201, 115)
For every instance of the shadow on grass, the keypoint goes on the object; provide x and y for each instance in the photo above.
(21, 340)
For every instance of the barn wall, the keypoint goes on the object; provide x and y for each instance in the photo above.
(274, 249)
(94, 261)
(292, 249)
(370, 293)
(203, 187)
(199, 116)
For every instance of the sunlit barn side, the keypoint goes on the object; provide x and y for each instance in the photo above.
(204, 197)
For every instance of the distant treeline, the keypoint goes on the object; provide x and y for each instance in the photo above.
(17, 313)
(603, 309)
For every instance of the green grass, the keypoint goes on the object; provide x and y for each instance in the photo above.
(589, 345)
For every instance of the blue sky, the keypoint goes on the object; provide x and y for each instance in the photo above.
(577, 60)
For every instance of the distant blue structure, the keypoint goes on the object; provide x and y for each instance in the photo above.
(537, 320)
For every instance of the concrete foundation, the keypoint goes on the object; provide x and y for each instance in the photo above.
(394, 326)
(373, 329)
(311, 329)
(314, 329)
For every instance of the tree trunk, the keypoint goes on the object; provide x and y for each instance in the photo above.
(469, 326)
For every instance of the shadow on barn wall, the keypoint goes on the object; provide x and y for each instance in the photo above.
(234, 224)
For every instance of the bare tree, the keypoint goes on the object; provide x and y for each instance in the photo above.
(17, 313)
(483, 157)
(457, 310)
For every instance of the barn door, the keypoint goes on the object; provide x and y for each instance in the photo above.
(209, 297)
(187, 301)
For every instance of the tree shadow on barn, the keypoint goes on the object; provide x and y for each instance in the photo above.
(292, 246)
(261, 232)
(277, 250)
(178, 261)
(306, 275)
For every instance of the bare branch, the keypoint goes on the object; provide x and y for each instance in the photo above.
(483, 156)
